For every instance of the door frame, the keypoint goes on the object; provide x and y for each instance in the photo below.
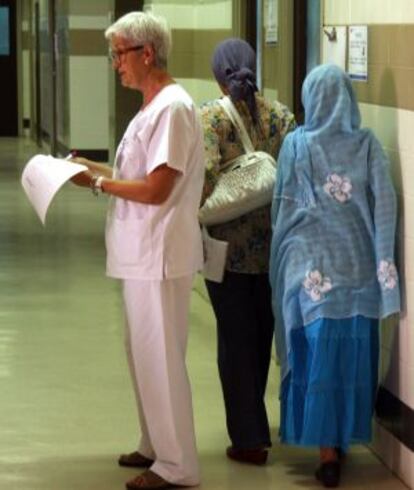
(246, 24)
(37, 92)
(14, 60)
(53, 50)
(300, 46)
(307, 42)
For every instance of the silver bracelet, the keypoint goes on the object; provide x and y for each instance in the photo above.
(96, 184)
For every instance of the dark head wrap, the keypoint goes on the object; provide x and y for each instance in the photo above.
(234, 66)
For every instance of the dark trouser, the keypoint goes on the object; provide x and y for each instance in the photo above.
(242, 305)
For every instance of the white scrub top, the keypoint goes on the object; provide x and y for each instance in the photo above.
(149, 241)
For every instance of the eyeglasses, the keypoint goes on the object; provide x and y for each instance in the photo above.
(115, 56)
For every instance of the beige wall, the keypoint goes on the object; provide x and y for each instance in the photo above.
(387, 106)
(197, 26)
(369, 12)
(82, 71)
(88, 74)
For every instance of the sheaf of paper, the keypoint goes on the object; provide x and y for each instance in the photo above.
(215, 253)
(335, 51)
(43, 176)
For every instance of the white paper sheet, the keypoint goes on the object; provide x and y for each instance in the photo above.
(43, 176)
(215, 253)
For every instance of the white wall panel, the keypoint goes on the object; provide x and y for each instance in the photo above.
(409, 293)
(407, 218)
(89, 7)
(395, 455)
(89, 102)
(383, 120)
(336, 12)
(369, 12)
(406, 341)
(89, 21)
(408, 266)
(271, 94)
(397, 340)
(398, 377)
(403, 171)
(190, 14)
(394, 127)
(214, 15)
(200, 90)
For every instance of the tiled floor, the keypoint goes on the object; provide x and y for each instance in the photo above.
(66, 407)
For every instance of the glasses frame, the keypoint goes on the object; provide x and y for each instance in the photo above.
(115, 55)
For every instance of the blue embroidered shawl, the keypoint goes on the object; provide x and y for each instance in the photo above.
(333, 216)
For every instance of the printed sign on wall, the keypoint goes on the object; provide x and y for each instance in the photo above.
(358, 53)
(271, 22)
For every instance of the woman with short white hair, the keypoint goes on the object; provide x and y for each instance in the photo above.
(154, 245)
(144, 28)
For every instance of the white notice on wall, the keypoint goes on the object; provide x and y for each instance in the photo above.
(358, 53)
(271, 22)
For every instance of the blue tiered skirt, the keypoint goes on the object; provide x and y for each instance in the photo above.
(328, 397)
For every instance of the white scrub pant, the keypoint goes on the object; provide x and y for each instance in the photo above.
(156, 341)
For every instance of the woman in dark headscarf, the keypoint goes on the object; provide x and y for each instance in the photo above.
(242, 302)
(332, 271)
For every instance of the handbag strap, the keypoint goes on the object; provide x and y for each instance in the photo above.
(228, 106)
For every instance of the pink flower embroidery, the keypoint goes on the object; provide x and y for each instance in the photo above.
(387, 274)
(338, 187)
(316, 285)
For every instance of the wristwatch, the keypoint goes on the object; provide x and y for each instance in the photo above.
(96, 184)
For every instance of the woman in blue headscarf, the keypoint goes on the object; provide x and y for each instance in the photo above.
(242, 302)
(332, 271)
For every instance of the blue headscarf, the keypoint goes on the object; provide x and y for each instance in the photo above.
(331, 114)
(329, 83)
(234, 66)
(333, 216)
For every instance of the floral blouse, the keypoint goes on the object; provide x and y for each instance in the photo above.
(248, 236)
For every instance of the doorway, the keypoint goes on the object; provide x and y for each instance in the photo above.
(306, 33)
(8, 69)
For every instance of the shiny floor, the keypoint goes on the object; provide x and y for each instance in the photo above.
(66, 407)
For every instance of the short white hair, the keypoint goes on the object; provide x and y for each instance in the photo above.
(144, 28)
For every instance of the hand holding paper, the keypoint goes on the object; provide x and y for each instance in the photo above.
(43, 176)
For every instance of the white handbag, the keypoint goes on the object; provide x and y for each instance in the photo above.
(245, 183)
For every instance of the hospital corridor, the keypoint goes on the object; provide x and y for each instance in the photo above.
(159, 99)
(67, 409)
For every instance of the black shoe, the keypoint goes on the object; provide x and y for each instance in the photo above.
(329, 474)
(341, 453)
(134, 460)
(249, 456)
